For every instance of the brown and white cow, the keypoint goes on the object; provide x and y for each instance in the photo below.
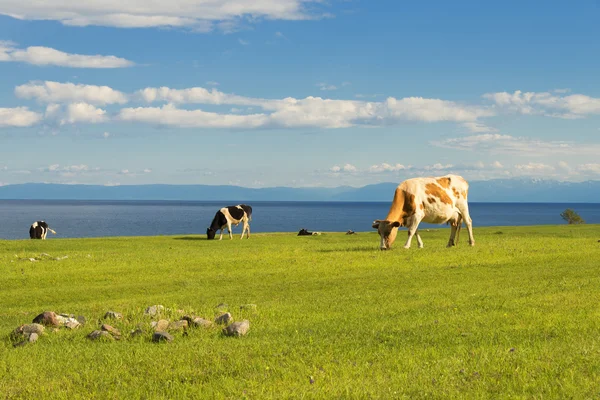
(433, 200)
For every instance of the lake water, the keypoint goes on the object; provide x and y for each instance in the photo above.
(74, 219)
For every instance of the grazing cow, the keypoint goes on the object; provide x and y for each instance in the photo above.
(230, 215)
(350, 232)
(433, 200)
(39, 230)
(304, 232)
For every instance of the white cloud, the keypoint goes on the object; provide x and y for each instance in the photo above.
(56, 92)
(437, 167)
(83, 112)
(385, 167)
(38, 55)
(106, 135)
(497, 164)
(243, 42)
(147, 170)
(344, 168)
(212, 83)
(18, 117)
(534, 167)
(545, 103)
(169, 115)
(199, 15)
(497, 143)
(326, 86)
(478, 127)
(593, 168)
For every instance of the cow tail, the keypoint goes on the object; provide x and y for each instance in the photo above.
(52, 230)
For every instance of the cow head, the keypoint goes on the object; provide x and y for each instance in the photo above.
(387, 231)
(210, 233)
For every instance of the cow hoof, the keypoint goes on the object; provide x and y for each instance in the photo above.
(407, 247)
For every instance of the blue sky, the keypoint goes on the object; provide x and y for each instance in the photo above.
(266, 93)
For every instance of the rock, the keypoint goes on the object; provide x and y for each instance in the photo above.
(111, 330)
(81, 319)
(178, 325)
(28, 329)
(19, 344)
(200, 322)
(237, 328)
(248, 307)
(95, 335)
(162, 337)
(222, 307)
(113, 315)
(44, 255)
(47, 318)
(224, 319)
(136, 332)
(72, 324)
(33, 337)
(161, 325)
(68, 320)
(154, 310)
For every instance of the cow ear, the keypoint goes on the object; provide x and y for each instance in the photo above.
(396, 224)
(376, 224)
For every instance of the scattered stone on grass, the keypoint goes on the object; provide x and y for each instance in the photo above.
(61, 258)
(33, 337)
(28, 329)
(178, 325)
(248, 307)
(224, 319)
(160, 325)
(237, 328)
(154, 310)
(47, 318)
(136, 332)
(81, 319)
(161, 337)
(97, 334)
(222, 307)
(44, 255)
(197, 321)
(68, 320)
(113, 315)
(113, 331)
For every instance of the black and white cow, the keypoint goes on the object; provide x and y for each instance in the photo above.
(39, 230)
(304, 232)
(230, 215)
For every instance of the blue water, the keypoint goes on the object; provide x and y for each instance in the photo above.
(73, 219)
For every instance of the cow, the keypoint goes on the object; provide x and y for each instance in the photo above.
(304, 232)
(435, 200)
(230, 215)
(39, 230)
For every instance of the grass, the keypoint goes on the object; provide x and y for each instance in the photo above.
(517, 316)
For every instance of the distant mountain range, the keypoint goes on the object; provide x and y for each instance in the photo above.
(496, 190)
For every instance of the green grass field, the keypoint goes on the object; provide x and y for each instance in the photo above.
(517, 316)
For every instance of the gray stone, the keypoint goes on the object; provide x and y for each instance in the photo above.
(28, 329)
(111, 330)
(237, 328)
(248, 307)
(224, 319)
(33, 337)
(136, 332)
(72, 325)
(113, 315)
(201, 322)
(96, 335)
(178, 325)
(162, 337)
(154, 310)
(81, 319)
(48, 318)
(161, 325)
(222, 307)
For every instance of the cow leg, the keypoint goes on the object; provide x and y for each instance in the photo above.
(464, 210)
(246, 229)
(453, 228)
(412, 225)
(419, 241)
(44, 233)
(221, 235)
(229, 229)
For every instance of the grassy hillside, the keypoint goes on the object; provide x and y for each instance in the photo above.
(516, 316)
